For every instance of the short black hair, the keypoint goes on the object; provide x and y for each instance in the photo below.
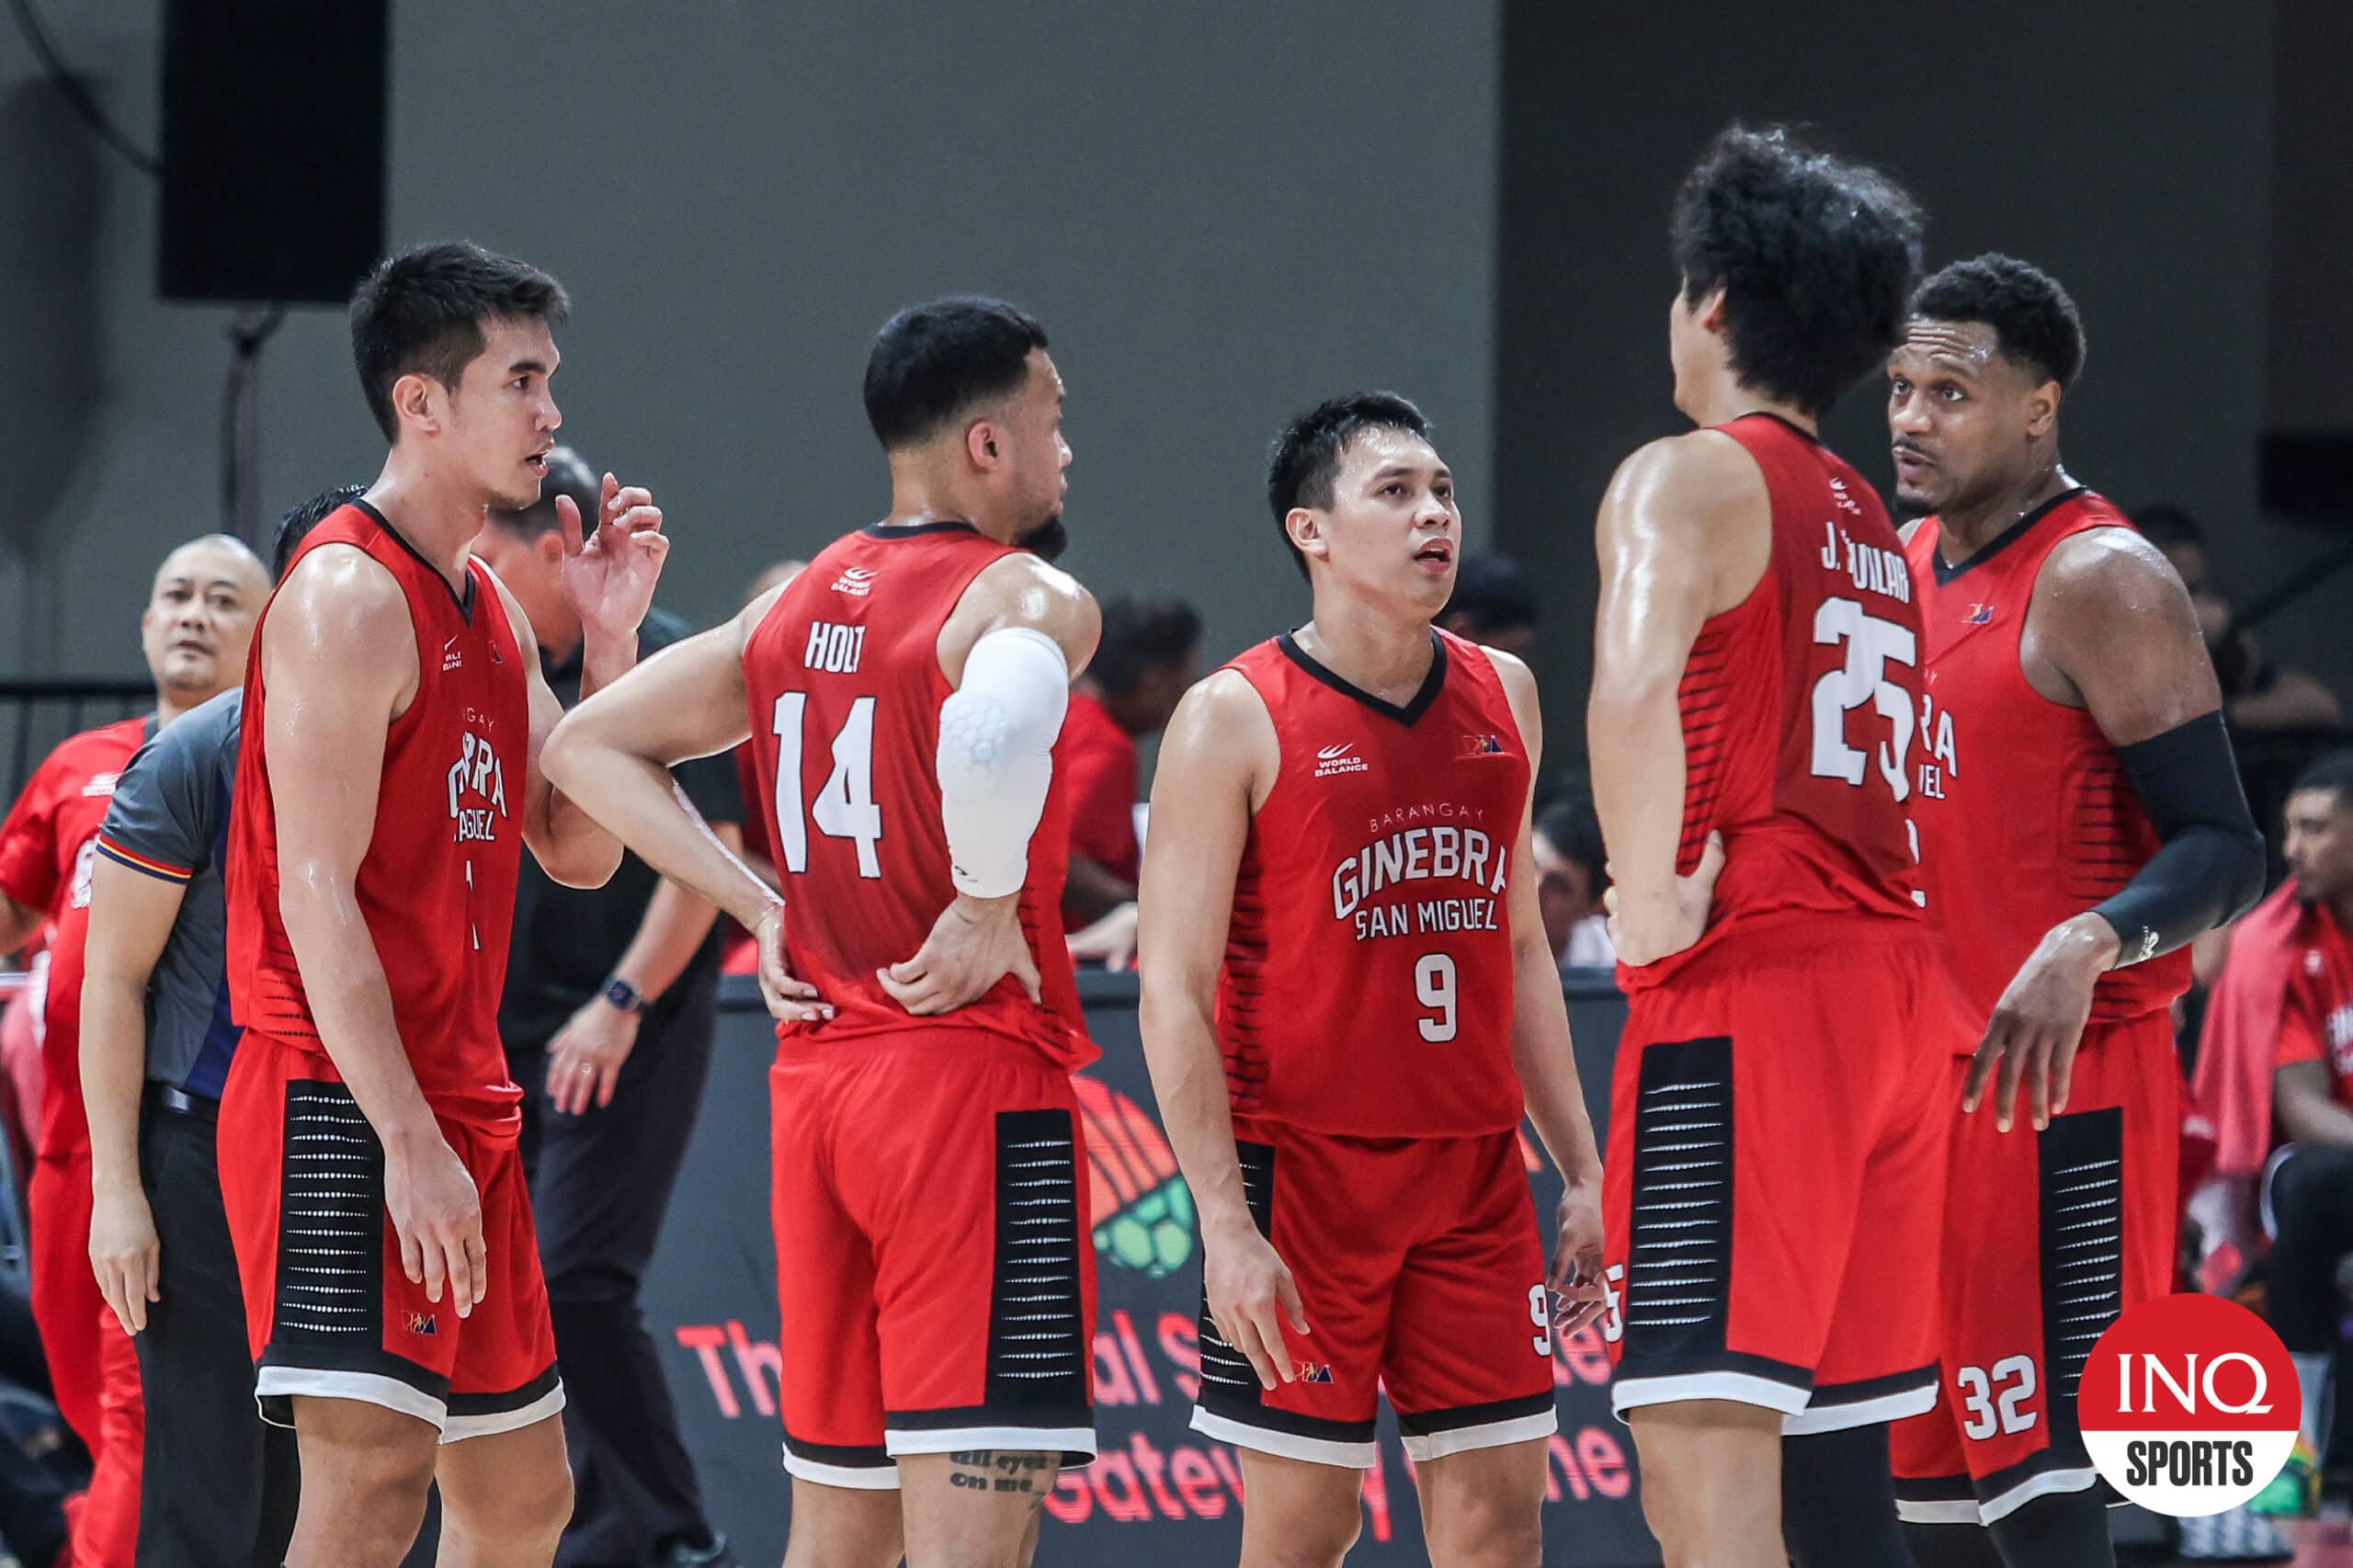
(2034, 322)
(296, 526)
(568, 474)
(1305, 460)
(1495, 592)
(2168, 526)
(1569, 823)
(1141, 635)
(1816, 256)
(931, 362)
(422, 312)
(2332, 771)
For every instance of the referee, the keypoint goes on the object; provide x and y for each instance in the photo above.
(218, 1488)
(610, 1003)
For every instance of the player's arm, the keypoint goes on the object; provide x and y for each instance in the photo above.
(1673, 508)
(1541, 1052)
(131, 918)
(339, 660)
(612, 755)
(609, 579)
(1017, 639)
(2304, 1108)
(28, 860)
(2112, 629)
(1217, 757)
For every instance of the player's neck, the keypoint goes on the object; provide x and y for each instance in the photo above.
(438, 520)
(921, 493)
(1388, 655)
(1724, 400)
(1964, 530)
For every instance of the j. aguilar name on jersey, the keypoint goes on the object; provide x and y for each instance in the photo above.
(1446, 849)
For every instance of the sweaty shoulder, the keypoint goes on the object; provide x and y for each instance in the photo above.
(1223, 725)
(1696, 473)
(1697, 504)
(1020, 590)
(341, 616)
(2104, 592)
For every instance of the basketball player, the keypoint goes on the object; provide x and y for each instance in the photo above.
(1347, 1001)
(195, 631)
(903, 693)
(2080, 820)
(387, 781)
(1775, 1155)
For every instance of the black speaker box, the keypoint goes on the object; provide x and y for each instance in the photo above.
(273, 149)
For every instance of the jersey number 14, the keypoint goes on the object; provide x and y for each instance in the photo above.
(844, 808)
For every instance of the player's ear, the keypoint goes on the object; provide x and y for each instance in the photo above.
(981, 444)
(1306, 531)
(2042, 408)
(416, 401)
(549, 547)
(1710, 312)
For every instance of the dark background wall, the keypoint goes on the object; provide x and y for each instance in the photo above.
(2125, 147)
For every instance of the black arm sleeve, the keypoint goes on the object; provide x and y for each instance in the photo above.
(2209, 867)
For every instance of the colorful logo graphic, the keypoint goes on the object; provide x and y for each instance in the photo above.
(423, 1322)
(1141, 1210)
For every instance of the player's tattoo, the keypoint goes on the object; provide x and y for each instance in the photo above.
(985, 1469)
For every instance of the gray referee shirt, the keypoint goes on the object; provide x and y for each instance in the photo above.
(169, 819)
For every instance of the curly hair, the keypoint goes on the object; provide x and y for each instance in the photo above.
(2034, 322)
(1306, 461)
(1816, 256)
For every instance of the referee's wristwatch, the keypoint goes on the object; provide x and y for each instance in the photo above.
(625, 997)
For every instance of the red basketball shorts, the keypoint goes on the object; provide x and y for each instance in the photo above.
(1775, 1179)
(1420, 1269)
(935, 1278)
(2048, 1237)
(330, 1311)
(68, 1309)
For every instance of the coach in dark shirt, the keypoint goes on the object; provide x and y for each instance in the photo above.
(608, 1018)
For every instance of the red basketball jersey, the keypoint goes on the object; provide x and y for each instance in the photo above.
(845, 685)
(1799, 706)
(46, 847)
(2025, 815)
(437, 886)
(1368, 980)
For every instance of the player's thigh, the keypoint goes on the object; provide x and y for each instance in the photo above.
(1485, 1505)
(508, 1486)
(1296, 1513)
(363, 1462)
(836, 1526)
(1711, 1480)
(974, 1508)
(1469, 1358)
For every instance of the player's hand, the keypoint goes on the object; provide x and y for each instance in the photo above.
(585, 1056)
(437, 1212)
(124, 1254)
(1578, 1292)
(1641, 935)
(2035, 1028)
(1110, 941)
(975, 943)
(1251, 1292)
(789, 1000)
(609, 579)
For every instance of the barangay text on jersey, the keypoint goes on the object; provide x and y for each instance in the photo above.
(1445, 848)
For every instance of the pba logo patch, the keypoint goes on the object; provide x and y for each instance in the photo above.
(423, 1322)
(2188, 1405)
(1482, 746)
(1979, 615)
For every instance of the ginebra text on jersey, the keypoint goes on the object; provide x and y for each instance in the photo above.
(477, 773)
(1435, 853)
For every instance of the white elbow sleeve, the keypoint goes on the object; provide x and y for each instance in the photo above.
(996, 742)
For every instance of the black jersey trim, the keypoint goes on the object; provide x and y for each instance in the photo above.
(2001, 541)
(909, 531)
(465, 600)
(1791, 425)
(1432, 683)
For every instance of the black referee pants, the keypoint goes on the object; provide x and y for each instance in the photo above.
(220, 1485)
(601, 1186)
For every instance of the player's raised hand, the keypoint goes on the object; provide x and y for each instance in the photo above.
(975, 943)
(1646, 936)
(1576, 1281)
(1250, 1292)
(2031, 1036)
(609, 578)
(437, 1212)
(790, 1000)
